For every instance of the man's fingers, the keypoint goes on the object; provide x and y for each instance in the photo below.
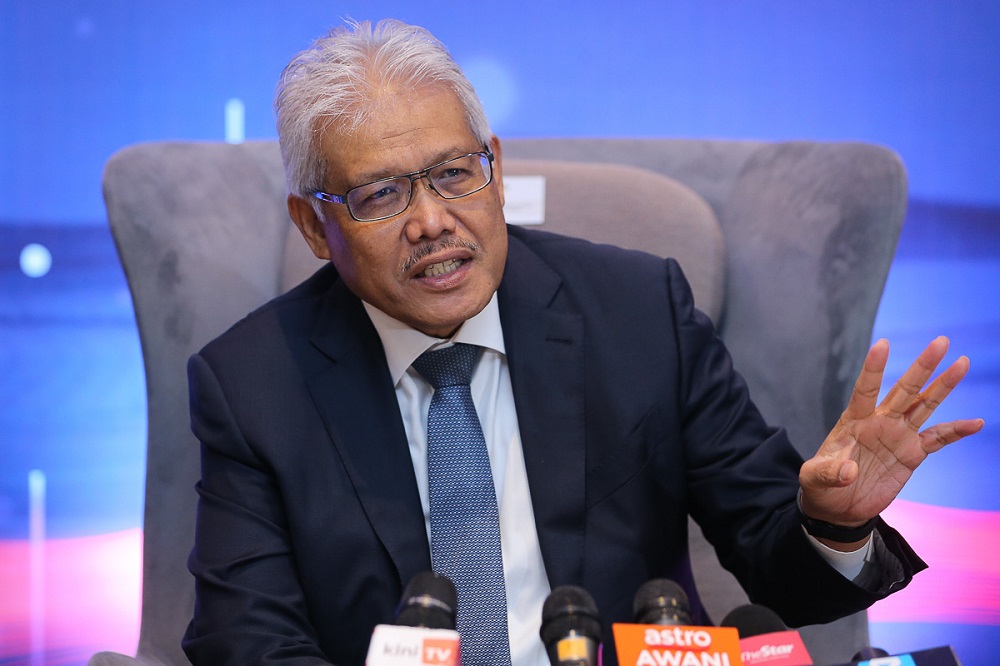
(901, 396)
(819, 473)
(869, 383)
(925, 403)
(941, 435)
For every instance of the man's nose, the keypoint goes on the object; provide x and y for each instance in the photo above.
(429, 215)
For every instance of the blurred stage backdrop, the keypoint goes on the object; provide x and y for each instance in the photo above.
(79, 80)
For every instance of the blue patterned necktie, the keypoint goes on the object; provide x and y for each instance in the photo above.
(465, 523)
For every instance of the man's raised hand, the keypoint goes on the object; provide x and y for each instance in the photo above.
(870, 454)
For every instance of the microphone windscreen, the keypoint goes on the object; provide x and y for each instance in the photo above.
(661, 601)
(869, 653)
(429, 600)
(569, 609)
(753, 620)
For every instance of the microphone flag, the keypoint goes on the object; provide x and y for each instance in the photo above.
(394, 645)
(681, 645)
(781, 648)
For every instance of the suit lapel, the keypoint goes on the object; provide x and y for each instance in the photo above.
(357, 402)
(353, 393)
(545, 356)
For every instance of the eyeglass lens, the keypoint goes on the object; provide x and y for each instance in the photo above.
(452, 179)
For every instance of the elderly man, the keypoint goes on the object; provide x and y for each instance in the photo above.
(514, 409)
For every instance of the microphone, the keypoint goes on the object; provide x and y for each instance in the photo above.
(764, 638)
(664, 635)
(571, 627)
(424, 630)
(939, 656)
(429, 601)
(868, 653)
(661, 601)
(753, 620)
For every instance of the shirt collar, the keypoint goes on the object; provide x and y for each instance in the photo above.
(403, 344)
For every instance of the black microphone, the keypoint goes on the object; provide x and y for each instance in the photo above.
(424, 627)
(869, 653)
(664, 634)
(663, 602)
(764, 638)
(753, 620)
(571, 627)
(939, 656)
(429, 601)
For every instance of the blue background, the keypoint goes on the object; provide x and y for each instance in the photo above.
(79, 80)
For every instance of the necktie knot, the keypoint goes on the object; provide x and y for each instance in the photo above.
(452, 366)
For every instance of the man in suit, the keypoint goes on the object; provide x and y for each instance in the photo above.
(609, 409)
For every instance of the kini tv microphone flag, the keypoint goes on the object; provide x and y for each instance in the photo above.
(424, 633)
(393, 645)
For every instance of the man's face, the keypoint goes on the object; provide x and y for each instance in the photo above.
(437, 263)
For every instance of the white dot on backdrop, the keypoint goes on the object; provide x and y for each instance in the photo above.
(235, 121)
(496, 87)
(36, 260)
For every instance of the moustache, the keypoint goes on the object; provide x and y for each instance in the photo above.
(430, 248)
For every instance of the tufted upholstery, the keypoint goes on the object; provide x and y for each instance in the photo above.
(787, 246)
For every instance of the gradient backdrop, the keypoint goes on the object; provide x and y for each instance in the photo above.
(81, 79)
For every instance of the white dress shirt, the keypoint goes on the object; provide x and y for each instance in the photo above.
(524, 570)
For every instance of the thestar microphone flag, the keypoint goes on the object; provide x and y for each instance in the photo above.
(424, 633)
(764, 638)
(662, 641)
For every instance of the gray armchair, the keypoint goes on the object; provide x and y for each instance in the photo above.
(787, 247)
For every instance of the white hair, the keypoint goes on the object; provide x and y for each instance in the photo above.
(335, 83)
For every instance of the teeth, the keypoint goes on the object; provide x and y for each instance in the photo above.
(440, 269)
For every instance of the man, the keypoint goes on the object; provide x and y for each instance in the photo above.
(607, 407)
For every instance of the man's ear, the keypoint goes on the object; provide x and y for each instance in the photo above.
(310, 226)
(497, 165)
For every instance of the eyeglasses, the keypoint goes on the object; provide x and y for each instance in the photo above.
(384, 198)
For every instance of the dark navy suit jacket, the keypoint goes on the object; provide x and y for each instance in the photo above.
(631, 416)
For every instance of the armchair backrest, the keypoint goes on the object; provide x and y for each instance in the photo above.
(787, 247)
(810, 229)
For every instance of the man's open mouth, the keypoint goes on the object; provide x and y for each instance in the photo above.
(442, 268)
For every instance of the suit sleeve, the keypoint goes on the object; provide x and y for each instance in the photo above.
(250, 607)
(742, 479)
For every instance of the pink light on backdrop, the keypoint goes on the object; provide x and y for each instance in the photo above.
(91, 596)
(962, 547)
